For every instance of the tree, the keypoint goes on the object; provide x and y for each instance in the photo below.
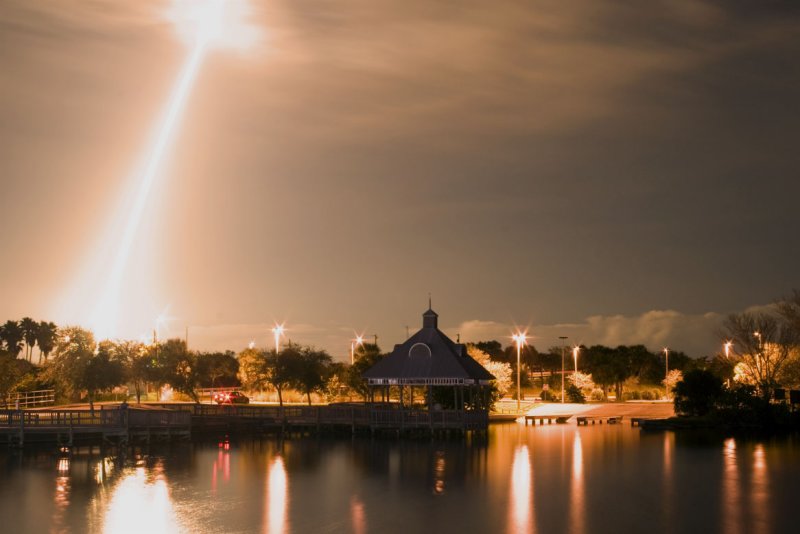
(673, 377)
(608, 366)
(503, 373)
(366, 357)
(177, 367)
(77, 368)
(697, 393)
(311, 371)
(29, 329)
(135, 360)
(282, 368)
(582, 381)
(761, 357)
(11, 334)
(253, 368)
(214, 368)
(46, 336)
(9, 375)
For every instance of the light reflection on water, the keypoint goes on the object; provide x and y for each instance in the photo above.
(576, 505)
(277, 495)
(521, 492)
(140, 502)
(547, 479)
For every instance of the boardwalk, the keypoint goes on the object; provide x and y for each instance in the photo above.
(68, 425)
(121, 424)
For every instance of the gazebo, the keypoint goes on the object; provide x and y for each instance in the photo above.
(432, 361)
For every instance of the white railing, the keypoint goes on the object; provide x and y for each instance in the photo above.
(30, 399)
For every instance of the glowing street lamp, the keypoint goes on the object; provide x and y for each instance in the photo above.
(359, 340)
(727, 347)
(666, 361)
(563, 371)
(758, 335)
(575, 350)
(278, 331)
(519, 338)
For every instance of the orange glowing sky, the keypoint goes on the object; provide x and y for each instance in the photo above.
(614, 172)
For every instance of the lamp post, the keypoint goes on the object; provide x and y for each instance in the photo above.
(575, 350)
(666, 362)
(277, 331)
(353, 342)
(727, 348)
(760, 358)
(519, 338)
(563, 371)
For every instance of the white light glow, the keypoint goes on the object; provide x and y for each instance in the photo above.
(204, 25)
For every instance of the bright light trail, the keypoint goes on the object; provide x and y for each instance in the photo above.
(205, 24)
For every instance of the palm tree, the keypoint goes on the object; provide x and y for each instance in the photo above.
(29, 329)
(46, 337)
(12, 336)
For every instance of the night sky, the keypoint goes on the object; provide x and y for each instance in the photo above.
(618, 172)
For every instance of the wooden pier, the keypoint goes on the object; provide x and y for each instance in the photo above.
(123, 424)
(558, 419)
(109, 424)
(588, 419)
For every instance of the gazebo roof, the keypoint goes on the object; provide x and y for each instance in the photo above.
(428, 357)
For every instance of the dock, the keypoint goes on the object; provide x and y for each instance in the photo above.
(589, 419)
(121, 424)
(67, 426)
(557, 418)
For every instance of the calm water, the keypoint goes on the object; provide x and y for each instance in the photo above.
(544, 479)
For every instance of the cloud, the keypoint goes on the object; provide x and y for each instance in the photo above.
(694, 334)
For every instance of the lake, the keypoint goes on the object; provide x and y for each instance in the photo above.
(550, 479)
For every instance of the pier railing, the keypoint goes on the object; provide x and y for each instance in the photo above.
(356, 415)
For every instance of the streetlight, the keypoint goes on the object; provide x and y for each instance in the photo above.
(727, 347)
(758, 335)
(277, 331)
(353, 342)
(666, 362)
(519, 338)
(563, 371)
(575, 350)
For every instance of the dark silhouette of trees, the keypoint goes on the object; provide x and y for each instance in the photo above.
(365, 357)
(12, 336)
(217, 369)
(698, 393)
(29, 329)
(311, 371)
(46, 336)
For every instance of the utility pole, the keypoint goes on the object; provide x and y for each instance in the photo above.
(376, 339)
(563, 349)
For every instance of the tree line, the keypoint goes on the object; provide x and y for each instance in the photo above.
(764, 354)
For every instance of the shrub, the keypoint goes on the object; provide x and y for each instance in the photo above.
(574, 394)
(697, 393)
(632, 395)
(597, 395)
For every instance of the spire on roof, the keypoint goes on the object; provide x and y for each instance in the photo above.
(430, 319)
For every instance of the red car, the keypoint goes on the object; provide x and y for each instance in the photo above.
(232, 397)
